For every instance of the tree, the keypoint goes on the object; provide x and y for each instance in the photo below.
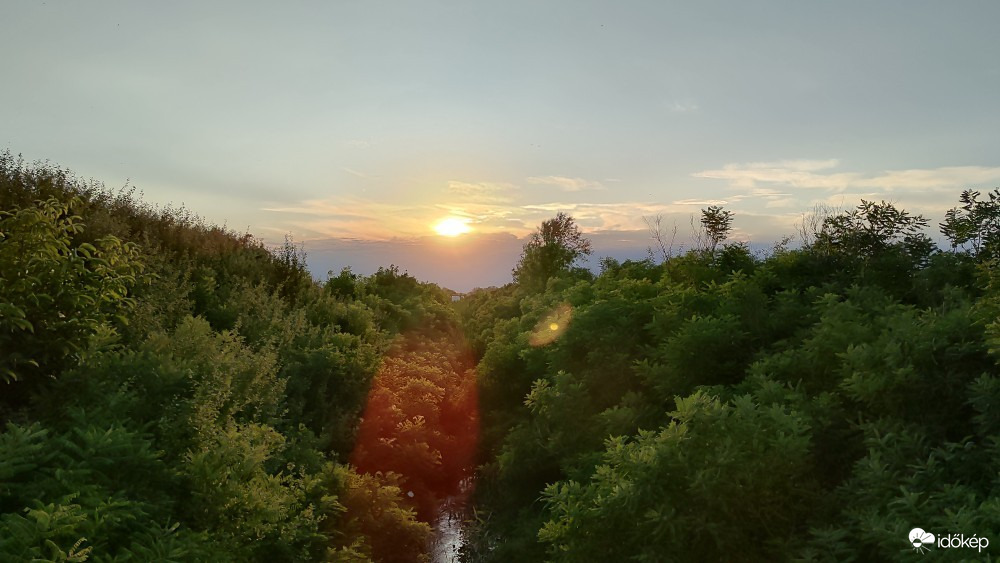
(717, 223)
(873, 228)
(346, 285)
(657, 232)
(553, 248)
(976, 223)
(812, 221)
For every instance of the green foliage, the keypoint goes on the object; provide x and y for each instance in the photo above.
(703, 351)
(234, 493)
(189, 404)
(841, 394)
(875, 232)
(197, 401)
(480, 310)
(387, 530)
(56, 296)
(720, 481)
(871, 228)
(906, 478)
(345, 285)
(736, 257)
(45, 533)
(105, 485)
(403, 304)
(976, 224)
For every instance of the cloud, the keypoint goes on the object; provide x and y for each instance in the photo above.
(553, 207)
(358, 144)
(351, 217)
(623, 216)
(781, 202)
(948, 177)
(566, 184)
(767, 188)
(701, 202)
(353, 172)
(483, 191)
(795, 173)
(817, 174)
(678, 106)
(482, 216)
(767, 194)
(356, 218)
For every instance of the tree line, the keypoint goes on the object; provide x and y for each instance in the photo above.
(808, 404)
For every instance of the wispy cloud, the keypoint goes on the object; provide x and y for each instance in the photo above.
(682, 106)
(767, 194)
(623, 216)
(951, 177)
(481, 215)
(483, 191)
(353, 218)
(358, 144)
(551, 207)
(795, 173)
(363, 219)
(357, 173)
(818, 174)
(781, 202)
(566, 184)
(701, 202)
(771, 189)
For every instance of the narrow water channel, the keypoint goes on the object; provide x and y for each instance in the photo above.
(447, 538)
(449, 529)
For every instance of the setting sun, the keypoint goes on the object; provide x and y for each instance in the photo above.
(452, 227)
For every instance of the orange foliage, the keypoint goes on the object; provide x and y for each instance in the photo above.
(422, 418)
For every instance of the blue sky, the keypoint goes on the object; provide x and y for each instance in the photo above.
(356, 126)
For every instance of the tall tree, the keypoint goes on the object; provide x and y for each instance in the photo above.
(554, 247)
(717, 223)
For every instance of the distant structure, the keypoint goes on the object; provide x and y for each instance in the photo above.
(456, 296)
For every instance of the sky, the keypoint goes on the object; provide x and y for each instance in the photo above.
(357, 126)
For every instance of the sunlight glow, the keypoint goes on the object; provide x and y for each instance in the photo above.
(552, 326)
(452, 227)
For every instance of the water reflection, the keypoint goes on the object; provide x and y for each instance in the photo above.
(449, 526)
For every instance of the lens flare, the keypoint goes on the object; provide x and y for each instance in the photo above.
(421, 422)
(550, 328)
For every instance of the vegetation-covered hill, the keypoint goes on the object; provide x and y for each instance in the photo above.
(173, 391)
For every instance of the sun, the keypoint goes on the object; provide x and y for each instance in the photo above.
(452, 227)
